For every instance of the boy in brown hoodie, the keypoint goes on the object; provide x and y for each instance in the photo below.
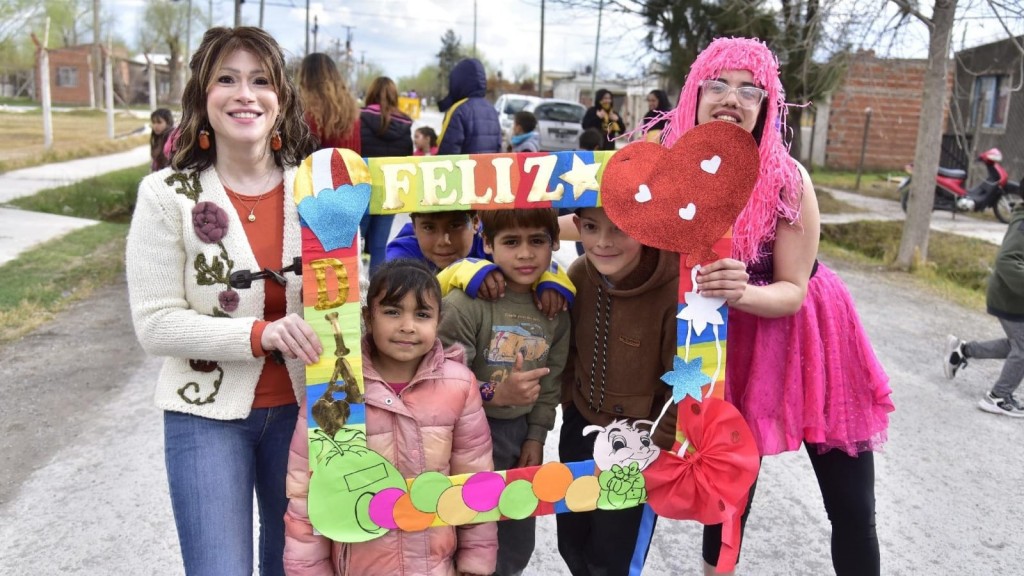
(624, 340)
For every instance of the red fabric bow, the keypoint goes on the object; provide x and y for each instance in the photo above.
(711, 481)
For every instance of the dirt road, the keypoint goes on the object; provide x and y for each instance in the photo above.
(82, 487)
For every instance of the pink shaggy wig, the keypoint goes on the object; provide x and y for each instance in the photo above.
(779, 183)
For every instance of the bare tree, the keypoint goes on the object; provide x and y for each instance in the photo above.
(520, 72)
(914, 242)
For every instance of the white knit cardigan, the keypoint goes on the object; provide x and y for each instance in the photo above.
(175, 281)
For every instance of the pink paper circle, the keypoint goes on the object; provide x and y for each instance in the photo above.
(382, 507)
(482, 491)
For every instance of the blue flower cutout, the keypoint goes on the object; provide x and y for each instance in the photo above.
(686, 379)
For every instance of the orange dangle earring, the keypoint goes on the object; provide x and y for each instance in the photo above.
(275, 141)
(204, 140)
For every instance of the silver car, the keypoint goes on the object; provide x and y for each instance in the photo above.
(558, 122)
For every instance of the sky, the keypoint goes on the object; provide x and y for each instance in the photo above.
(402, 36)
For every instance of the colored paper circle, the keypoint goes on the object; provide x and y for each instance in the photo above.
(408, 518)
(518, 500)
(426, 489)
(382, 507)
(482, 491)
(489, 516)
(582, 494)
(551, 481)
(452, 509)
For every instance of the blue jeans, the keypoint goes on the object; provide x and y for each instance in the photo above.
(213, 466)
(375, 230)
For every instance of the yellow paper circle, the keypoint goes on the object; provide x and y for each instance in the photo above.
(452, 509)
(582, 494)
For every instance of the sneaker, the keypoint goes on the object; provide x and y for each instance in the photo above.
(996, 405)
(954, 358)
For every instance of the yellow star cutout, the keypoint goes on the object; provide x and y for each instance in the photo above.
(582, 177)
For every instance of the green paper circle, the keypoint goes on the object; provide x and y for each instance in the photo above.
(518, 500)
(489, 516)
(426, 489)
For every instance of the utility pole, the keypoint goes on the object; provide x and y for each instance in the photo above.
(97, 78)
(108, 71)
(349, 77)
(307, 28)
(316, 28)
(238, 13)
(188, 41)
(540, 75)
(261, 13)
(597, 44)
(44, 84)
(474, 28)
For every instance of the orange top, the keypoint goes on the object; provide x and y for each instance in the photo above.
(266, 238)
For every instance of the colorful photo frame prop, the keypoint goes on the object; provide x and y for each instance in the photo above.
(682, 199)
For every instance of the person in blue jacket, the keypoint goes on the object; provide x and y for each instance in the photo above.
(471, 123)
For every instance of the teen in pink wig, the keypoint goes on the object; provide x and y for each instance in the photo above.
(800, 367)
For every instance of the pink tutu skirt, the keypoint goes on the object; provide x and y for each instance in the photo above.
(809, 377)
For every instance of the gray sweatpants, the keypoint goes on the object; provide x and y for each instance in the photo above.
(515, 537)
(1011, 348)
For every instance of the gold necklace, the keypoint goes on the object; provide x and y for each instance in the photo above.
(252, 211)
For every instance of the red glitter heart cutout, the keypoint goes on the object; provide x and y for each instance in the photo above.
(647, 190)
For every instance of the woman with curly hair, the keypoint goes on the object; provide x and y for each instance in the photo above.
(234, 348)
(331, 111)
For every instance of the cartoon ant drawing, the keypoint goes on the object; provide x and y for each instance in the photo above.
(622, 451)
(329, 412)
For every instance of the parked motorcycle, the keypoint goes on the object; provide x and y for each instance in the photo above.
(951, 195)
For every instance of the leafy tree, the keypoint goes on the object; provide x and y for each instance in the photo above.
(424, 82)
(451, 52)
(166, 25)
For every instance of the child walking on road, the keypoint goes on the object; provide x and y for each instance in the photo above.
(423, 413)
(1005, 301)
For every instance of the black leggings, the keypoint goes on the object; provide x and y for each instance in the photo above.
(848, 491)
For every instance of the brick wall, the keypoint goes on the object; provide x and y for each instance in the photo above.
(76, 58)
(892, 89)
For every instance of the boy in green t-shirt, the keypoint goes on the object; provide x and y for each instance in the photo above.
(516, 352)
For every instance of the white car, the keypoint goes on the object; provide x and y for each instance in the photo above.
(507, 105)
(558, 122)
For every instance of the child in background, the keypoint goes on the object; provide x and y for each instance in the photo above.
(591, 139)
(162, 122)
(1005, 301)
(516, 353)
(525, 137)
(424, 140)
(423, 413)
(443, 238)
(624, 339)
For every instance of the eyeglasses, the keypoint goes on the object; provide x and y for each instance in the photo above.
(716, 91)
(243, 278)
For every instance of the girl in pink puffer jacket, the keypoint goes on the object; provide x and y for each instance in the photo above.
(423, 413)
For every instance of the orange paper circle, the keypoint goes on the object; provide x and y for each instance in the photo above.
(452, 509)
(408, 518)
(551, 482)
(582, 494)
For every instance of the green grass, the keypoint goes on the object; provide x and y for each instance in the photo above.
(881, 184)
(827, 204)
(47, 278)
(110, 197)
(957, 267)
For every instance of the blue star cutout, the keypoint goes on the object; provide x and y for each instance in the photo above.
(686, 379)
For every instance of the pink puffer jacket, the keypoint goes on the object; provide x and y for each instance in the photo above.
(436, 424)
